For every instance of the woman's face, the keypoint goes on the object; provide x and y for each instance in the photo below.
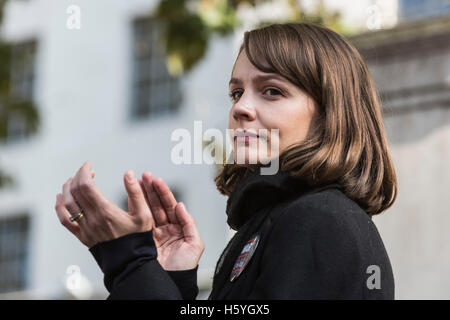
(266, 101)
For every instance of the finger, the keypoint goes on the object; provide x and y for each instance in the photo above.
(68, 200)
(64, 217)
(187, 222)
(152, 220)
(136, 195)
(141, 183)
(156, 207)
(84, 190)
(167, 199)
(76, 192)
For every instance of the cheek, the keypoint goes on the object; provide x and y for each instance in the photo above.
(295, 123)
(231, 125)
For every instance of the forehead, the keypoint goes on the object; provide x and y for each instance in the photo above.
(243, 65)
(243, 68)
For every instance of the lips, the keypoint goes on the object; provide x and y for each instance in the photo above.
(244, 138)
(247, 134)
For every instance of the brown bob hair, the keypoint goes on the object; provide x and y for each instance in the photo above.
(348, 145)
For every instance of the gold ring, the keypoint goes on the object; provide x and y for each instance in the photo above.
(78, 217)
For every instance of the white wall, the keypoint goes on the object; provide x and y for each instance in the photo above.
(83, 92)
(415, 229)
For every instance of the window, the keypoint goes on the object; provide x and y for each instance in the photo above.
(22, 85)
(154, 90)
(23, 69)
(410, 10)
(13, 252)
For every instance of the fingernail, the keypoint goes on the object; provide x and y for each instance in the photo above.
(130, 176)
(146, 174)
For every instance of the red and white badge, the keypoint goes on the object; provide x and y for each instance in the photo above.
(244, 257)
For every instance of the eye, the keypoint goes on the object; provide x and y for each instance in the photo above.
(274, 90)
(232, 95)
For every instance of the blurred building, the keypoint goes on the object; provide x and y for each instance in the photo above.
(413, 10)
(411, 67)
(104, 95)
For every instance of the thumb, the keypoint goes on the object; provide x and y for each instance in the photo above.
(136, 198)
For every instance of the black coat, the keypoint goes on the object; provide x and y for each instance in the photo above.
(301, 243)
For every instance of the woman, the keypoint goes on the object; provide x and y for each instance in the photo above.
(305, 232)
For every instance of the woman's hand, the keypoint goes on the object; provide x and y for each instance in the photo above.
(102, 220)
(175, 233)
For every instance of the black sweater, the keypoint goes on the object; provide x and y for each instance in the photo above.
(303, 243)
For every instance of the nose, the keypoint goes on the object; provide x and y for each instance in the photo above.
(244, 110)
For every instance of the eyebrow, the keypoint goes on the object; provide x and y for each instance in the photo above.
(259, 78)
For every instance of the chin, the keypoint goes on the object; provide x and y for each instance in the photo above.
(249, 155)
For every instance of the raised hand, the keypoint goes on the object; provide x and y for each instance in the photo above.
(102, 219)
(175, 233)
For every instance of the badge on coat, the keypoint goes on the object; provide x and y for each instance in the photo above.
(244, 257)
